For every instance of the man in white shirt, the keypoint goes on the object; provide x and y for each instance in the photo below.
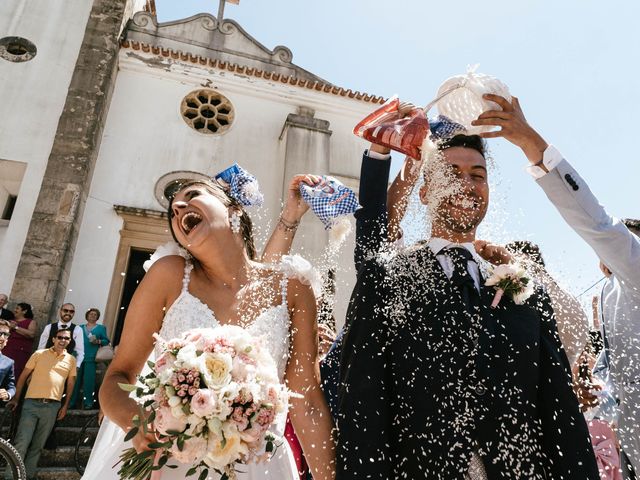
(617, 247)
(76, 346)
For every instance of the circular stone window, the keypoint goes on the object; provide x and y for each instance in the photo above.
(207, 111)
(17, 49)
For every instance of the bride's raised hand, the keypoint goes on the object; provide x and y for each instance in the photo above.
(295, 207)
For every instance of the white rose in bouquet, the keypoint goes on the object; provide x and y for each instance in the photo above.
(215, 368)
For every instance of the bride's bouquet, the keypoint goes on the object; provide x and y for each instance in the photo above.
(211, 398)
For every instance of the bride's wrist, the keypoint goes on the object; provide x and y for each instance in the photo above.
(291, 214)
(286, 224)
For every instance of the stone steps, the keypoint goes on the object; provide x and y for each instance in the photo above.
(60, 464)
(63, 457)
(68, 436)
(58, 473)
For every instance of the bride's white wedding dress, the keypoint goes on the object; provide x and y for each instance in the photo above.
(186, 313)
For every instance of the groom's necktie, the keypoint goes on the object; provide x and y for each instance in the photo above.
(461, 278)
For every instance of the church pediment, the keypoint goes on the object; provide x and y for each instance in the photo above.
(203, 35)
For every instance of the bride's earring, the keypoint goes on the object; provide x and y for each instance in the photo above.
(234, 221)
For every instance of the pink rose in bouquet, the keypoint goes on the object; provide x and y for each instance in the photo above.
(203, 403)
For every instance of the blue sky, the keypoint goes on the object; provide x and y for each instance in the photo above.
(573, 64)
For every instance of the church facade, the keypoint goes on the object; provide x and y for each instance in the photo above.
(112, 103)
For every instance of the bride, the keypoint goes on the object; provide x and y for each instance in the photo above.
(220, 283)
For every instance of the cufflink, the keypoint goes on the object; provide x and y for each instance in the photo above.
(572, 183)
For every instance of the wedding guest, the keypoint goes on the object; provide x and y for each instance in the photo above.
(5, 313)
(49, 373)
(23, 331)
(7, 377)
(95, 336)
(573, 324)
(618, 248)
(76, 346)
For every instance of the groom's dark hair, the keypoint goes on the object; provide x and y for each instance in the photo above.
(474, 142)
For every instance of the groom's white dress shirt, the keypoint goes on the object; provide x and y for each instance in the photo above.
(438, 247)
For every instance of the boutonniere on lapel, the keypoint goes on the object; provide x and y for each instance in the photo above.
(510, 279)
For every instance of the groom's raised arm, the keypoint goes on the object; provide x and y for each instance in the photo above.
(363, 399)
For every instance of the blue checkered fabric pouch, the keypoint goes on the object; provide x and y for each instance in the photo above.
(329, 200)
(443, 128)
(243, 186)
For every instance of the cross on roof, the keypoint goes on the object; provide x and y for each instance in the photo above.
(221, 8)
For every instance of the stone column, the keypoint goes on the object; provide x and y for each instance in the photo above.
(307, 151)
(48, 251)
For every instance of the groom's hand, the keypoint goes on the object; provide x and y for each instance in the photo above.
(514, 127)
(404, 110)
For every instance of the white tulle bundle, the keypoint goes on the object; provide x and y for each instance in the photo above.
(460, 98)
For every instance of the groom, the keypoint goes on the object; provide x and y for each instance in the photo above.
(435, 384)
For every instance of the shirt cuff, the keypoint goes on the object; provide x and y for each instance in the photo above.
(550, 159)
(377, 155)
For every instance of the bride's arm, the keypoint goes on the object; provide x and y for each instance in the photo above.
(144, 318)
(294, 209)
(310, 415)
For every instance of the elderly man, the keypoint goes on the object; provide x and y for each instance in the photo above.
(76, 345)
(50, 373)
(5, 313)
(617, 247)
(7, 378)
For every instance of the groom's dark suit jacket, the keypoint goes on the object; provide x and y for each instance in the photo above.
(424, 383)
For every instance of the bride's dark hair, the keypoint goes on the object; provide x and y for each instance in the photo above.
(246, 226)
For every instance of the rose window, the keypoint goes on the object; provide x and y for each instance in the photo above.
(207, 111)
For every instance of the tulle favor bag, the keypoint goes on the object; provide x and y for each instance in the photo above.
(459, 98)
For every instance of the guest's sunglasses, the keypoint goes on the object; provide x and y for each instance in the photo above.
(4, 334)
(66, 339)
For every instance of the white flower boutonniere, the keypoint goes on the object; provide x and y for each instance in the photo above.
(511, 279)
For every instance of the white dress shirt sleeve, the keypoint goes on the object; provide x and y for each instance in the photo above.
(550, 158)
(44, 337)
(377, 155)
(78, 337)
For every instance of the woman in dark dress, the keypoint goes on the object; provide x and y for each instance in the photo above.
(23, 331)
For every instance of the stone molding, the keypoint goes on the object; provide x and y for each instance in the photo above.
(187, 57)
(203, 34)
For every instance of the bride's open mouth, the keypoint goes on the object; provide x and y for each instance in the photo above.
(189, 221)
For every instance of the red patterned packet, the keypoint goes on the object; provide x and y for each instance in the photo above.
(404, 135)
